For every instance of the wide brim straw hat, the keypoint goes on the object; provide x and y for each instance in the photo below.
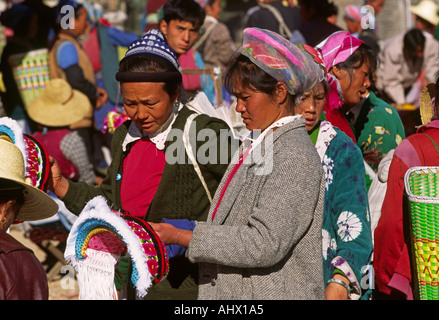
(37, 204)
(427, 10)
(59, 105)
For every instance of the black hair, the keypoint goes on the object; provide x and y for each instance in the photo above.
(323, 8)
(184, 10)
(363, 54)
(151, 63)
(413, 39)
(10, 190)
(249, 75)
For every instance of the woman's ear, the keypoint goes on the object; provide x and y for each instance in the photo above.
(281, 92)
(336, 72)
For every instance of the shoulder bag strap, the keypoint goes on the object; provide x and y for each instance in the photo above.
(283, 29)
(191, 155)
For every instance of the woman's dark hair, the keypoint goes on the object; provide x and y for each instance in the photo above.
(358, 58)
(184, 10)
(250, 76)
(413, 39)
(151, 63)
(10, 190)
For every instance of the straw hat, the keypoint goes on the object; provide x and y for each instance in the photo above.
(59, 105)
(427, 105)
(427, 10)
(37, 204)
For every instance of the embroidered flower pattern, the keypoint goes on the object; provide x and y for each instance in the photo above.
(328, 166)
(349, 226)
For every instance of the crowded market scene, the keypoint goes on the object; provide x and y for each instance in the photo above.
(219, 150)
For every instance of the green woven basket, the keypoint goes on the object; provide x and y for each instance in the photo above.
(31, 73)
(422, 189)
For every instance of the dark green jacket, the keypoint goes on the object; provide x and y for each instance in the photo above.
(180, 194)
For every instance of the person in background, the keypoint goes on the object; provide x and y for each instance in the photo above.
(265, 222)
(280, 16)
(352, 18)
(426, 16)
(55, 109)
(408, 60)
(332, 14)
(316, 26)
(392, 255)
(148, 152)
(23, 276)
(215, 44)
(180, 23)
(69, 61)
(24, 24)
(346, 233)
(347, 61)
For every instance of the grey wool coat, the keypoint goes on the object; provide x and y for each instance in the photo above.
(265, 240)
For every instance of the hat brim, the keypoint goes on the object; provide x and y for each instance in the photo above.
(37, 204)
(44, 112)
(416, 10)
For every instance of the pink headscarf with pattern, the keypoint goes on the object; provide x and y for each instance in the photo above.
(337, 48)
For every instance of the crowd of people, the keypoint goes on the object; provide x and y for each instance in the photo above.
(305, 202)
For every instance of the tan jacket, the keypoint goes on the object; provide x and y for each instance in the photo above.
(87, 69)
(395, 74)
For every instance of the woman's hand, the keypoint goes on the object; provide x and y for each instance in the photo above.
(57, 183)
(172, 235)
(335, 291)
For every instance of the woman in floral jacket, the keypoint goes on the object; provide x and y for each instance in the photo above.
(346, 232)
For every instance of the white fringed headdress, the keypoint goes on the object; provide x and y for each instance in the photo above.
(97, 240)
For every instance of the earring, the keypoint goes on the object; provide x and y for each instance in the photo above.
(2, 222)
(175, 106)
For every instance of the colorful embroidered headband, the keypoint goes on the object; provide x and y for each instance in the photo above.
(97, 240)
(281, 59)
(154, 42)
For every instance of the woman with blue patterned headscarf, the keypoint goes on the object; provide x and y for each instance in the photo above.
(150, 176)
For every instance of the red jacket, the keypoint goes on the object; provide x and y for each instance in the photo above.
(391, 254)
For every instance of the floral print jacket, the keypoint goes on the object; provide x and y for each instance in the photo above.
(346, 232)
(378, 131)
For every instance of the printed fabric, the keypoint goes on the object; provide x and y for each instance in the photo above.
(383, 131)
(346, 232)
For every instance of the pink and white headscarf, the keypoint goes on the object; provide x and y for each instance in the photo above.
(337, 48)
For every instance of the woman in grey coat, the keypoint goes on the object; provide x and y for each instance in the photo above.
(262, 238)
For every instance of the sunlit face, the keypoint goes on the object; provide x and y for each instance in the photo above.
(181, 35)
(147, 104)
(377, 5)
(258, 109)
(81, 23)
(311, 106)
(354, 86)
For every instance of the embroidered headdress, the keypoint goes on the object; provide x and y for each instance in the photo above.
(153, 46)
(97, 240)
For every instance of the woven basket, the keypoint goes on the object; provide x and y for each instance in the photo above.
(422, 189)
(31, 73)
